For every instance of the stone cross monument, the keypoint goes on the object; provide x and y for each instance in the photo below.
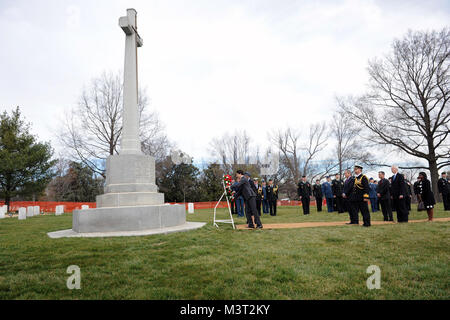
(130, 131)
(131, 204)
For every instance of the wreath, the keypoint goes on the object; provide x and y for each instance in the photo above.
(227, 180)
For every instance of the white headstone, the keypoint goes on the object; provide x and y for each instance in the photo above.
(84, 207)
(37, 210)
(59, 210)
(22, 213)
(190, 207)
(3, 210)
(30, 211)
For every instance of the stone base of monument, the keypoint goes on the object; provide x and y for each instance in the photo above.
(69, 233)
(128, 221)
(132, 218)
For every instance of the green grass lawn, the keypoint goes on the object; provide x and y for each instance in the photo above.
(211, 263)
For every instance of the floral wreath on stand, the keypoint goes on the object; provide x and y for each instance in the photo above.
(227, 180)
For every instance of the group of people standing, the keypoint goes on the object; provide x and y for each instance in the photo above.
(246, 191)
(353, 194)
(350, 195)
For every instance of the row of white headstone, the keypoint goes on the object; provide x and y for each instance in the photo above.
(32, 211)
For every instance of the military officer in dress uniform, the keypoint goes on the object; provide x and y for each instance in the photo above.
(444, 190)
(360, 195)
(390, 192)
(337, 186)
(272, 197)
(258, 195)
(265, 202)
(317, 193)
(408, 195)
(346, 192)
(384, 197)
(373, 195)
(304, 193)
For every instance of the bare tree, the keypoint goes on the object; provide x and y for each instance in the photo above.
(58, 185)
(154, 140)
(232, 150)
(288, 143)
(92, 131)
(324, 168)
(349, 148)
(316, 142)
(297, 155)
(407, 105)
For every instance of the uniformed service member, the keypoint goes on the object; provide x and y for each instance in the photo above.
(272, 197)
(258, 195)
(384, 197)
(360, 196)
(444, 190)
(338, 186)
(317, 193)
(346, 193)
(408, 195)
(304, 193)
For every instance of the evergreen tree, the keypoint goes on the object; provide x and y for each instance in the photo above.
(179, 182)
(25, 165)
(78, 184)
(210, 187)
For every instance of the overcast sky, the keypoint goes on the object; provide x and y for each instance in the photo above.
(209, 66)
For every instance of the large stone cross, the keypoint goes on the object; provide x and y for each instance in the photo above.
(130, 127)
(131, 204)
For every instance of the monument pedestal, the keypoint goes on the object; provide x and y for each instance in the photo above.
(130, 181)
(133, 218)
(131, 201)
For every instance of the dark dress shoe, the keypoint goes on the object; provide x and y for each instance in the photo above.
(259, 227)
(251, 226)
(366, 225)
